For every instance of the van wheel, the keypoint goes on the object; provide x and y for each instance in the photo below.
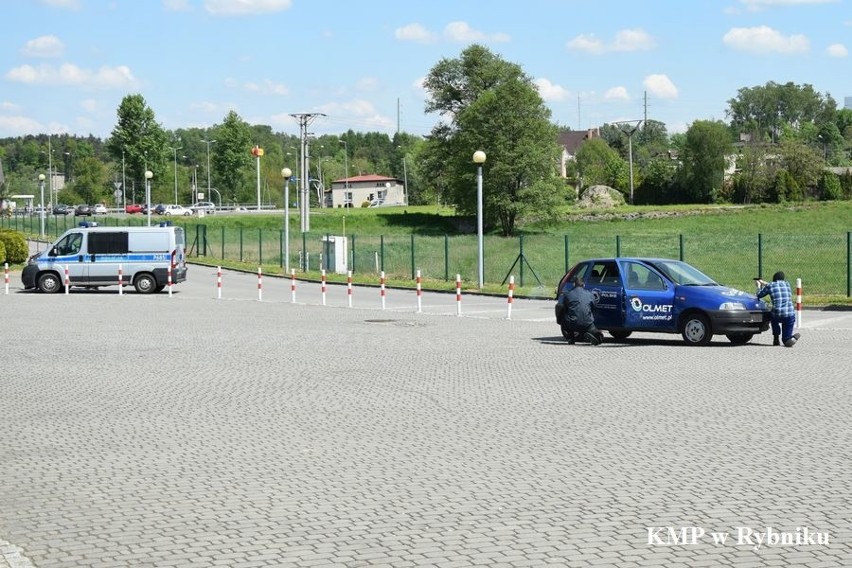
(49, 283)
(145, 284)
(695, 329)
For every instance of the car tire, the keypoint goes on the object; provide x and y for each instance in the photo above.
(49, 283)
(617, 334)
(695, 329)
(740, 339)
(145, 283)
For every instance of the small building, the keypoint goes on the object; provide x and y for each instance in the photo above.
(570, 141)
(375, 190)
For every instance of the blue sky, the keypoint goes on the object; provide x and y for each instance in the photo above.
(65, 65)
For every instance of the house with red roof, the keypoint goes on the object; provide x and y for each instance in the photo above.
(372, 190)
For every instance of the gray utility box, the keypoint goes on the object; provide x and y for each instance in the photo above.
(335, 254)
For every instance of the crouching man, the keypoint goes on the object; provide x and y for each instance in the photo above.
(578, 316)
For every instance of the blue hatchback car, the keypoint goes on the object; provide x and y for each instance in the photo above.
(666, 296)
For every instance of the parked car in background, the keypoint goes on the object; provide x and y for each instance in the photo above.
(177, 210)
(132, 208)
(62, 209)
(100, 209)
(207, 206)
(159, 209)
(83, 211)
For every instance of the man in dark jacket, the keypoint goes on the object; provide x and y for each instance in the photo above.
(578, 318)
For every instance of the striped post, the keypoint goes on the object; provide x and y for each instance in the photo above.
(293, 285)
(798, 302)
(458, 294)
(169, 281)
(322, 285)
(6, 277)
(67, 280)
(349, 288)
(259, 284)
(120, 281)
(218, 282)
(419, 293)
(511, 296)
(382, 288)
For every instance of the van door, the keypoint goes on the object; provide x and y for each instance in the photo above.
(107, 250)
(604, 282)
(649, 298)
(70, 252)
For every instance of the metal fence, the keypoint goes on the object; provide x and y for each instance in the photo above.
(822, 261)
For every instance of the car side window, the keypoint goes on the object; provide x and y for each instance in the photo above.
(640, 277)
(605, 273)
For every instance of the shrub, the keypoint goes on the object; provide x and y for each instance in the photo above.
(16, 247)
(2, 252)
(829, 187)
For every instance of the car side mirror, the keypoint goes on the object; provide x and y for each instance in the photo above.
(53, 252)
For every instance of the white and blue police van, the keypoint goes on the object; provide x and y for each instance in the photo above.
(664, 296)
(92, 257)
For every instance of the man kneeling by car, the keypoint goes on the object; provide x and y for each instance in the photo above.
(578, 319)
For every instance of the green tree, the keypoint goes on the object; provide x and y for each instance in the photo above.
(90, 181)
(755, 175)
(232, 159)
(704, 158)
(829, 186)
(805, 165)
(491, 106)
(598, 164)
(138, 141)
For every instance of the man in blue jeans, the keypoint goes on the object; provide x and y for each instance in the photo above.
(783, 310)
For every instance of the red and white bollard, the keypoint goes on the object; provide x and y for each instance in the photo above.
(458, 294)
(349, 288)
(67, 281)
(218, 282)
(169, 281)
(293, 285)
(6, 278)
(259, 284)
(419, 293)
(511, 297)
(322, 286)
(382, 288)
(120, 281)
(798, 302)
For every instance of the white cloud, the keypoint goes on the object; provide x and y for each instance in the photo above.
(245, 7)
(616, 94)
(763, 39)
(550, 92)
(177, 5)
(205, 106)
(462, 32)
(6, 106)
(19, 125)
(660, 86)
(368, 84)
(69, 74)
(625, 40)
(359, 112)
(266, 87)
(89, 105)
(415, 32)
(837, 50)
(44, 46)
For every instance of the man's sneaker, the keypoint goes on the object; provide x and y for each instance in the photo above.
(796, 336)
(776, 341)
(592, 338)
(790, 342)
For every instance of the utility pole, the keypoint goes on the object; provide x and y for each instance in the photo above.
(305, 119)
(630, 132)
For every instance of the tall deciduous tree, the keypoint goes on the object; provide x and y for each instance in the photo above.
(704, 158)
(232, 159)
(138, 140)
(491, 105)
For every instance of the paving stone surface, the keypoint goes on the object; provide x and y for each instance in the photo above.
(186, 430)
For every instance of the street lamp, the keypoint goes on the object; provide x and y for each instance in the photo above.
(257, 152)
(479, 159)
(208, 142)
(175, 149)
(630, 134)
(345, 160)
(148, 175)
(286, 173)
(41, 188)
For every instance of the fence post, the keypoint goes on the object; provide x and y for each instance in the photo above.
(522, 257)
(352, 264)
(617, 246)
(849, 264)
(223, 242)
(412, 256)
(567, 262)
(446, 258)
(241, 244)
(260, 246)
(382, 252)
(281, 248)
(680, 241)
(760, 255)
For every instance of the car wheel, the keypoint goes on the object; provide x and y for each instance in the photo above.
(620, 334)
(740, 339)
(167, 213)
(187, 214)
(49, 283)
(695, 329)
(145, 283)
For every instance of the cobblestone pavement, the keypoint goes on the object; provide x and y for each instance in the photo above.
(190, 431)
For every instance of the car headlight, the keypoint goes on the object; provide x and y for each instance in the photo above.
(732, 306)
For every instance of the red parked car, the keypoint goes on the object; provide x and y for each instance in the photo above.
(133, 208)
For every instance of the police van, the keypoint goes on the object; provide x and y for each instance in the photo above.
(92, 257)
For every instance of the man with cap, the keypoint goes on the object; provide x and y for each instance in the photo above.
(578, 318)
(783, 310)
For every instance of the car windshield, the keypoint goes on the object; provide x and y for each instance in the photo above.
(683, 274)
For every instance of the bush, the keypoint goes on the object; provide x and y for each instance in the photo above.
(16, 247)
(829, 187)
(2, 252)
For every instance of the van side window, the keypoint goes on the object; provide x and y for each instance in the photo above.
(69, 245)
(107, 243)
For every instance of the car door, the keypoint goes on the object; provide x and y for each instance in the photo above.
(604, 282)
(70, 253)
(649, 298)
